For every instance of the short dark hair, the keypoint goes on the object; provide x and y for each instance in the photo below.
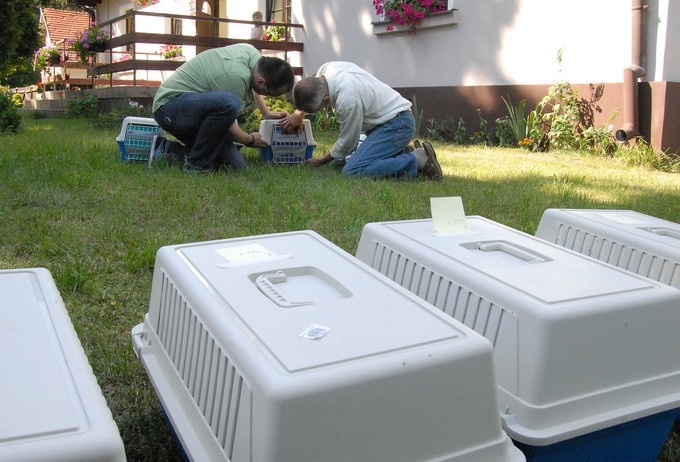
(277, 73)
(308, 94)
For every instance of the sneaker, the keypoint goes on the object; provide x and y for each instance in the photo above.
(190, 169)
(159, 147)
(431, 169)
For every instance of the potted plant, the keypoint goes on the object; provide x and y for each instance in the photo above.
(145, 2)
(408, 12)
(172, 51)
(45, 57)
(274, 33)
(89, 41)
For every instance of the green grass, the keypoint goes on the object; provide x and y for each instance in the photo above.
(68, 204)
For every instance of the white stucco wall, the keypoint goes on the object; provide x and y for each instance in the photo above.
(495, 42)
(242, 9)
(664, 35)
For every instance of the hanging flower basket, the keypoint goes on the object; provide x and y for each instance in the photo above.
(89, 42)
(45, 57)
(98, 47)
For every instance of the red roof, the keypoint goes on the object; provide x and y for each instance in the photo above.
(64, 24)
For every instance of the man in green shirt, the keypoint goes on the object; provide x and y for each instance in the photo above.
(199, 103)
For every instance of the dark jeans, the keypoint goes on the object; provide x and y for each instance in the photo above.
(201, 121)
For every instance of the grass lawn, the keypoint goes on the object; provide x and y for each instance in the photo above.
(68, 204)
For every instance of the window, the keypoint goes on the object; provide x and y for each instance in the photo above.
(279, 10)
(129, 28)
(175, 26)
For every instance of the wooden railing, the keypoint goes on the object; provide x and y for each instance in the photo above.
(141, 62)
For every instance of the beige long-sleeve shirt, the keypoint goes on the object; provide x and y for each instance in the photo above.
(359, 101)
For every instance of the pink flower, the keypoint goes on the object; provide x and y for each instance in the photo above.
(408, 12)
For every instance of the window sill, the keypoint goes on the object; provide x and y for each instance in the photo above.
(433, 21)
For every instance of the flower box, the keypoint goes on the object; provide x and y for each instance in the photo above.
(395, 16)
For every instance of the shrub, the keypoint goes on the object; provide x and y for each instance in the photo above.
(324, 120)
(441, 131)
(20, 73)
(115, 116)
(85, 107)
(18, 100)
(10, 118)
(254, 117)
(503, 134)
(481, 136)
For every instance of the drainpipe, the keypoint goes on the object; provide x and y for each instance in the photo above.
(633, 73)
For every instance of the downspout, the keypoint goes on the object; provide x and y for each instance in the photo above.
(631, 74)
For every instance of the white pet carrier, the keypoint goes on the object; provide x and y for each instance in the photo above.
(636, 242)
(285, 348)
(579, 345)
(51, 407)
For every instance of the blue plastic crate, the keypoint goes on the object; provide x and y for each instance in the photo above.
(267, 154)
(136, 138)
(286, 148)
(634, 441)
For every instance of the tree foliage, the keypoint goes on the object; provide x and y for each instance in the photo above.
(18, 29)
(19, 26)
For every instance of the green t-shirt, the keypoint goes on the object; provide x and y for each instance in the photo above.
(219, 69)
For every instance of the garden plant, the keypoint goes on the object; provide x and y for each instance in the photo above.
(67, 203)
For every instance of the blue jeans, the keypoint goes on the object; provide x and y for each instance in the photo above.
(381, 155)
(201, 121)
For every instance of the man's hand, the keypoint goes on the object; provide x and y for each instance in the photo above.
(277, 115)
(258, 141)
(318, 161)
(292, 123)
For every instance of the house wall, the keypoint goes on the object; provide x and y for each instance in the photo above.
(496, 42)
(505, 47)
(666, 37)
(485, 50)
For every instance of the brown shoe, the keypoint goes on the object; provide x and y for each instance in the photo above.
(417, 144)
(431, 169)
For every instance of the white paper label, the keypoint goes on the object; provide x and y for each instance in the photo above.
(448, 215)
(245, 254)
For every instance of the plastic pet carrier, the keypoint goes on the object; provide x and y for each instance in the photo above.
(52, 407)
(136, 138)
(584, 352)
(285, 348)
(286, 148)
(636, 242)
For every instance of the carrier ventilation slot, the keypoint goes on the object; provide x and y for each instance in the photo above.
(620, 255)
(213, 382)
(473, 310)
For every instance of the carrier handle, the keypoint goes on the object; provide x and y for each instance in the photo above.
(511, 250)
(265, 282)
(665, 232)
